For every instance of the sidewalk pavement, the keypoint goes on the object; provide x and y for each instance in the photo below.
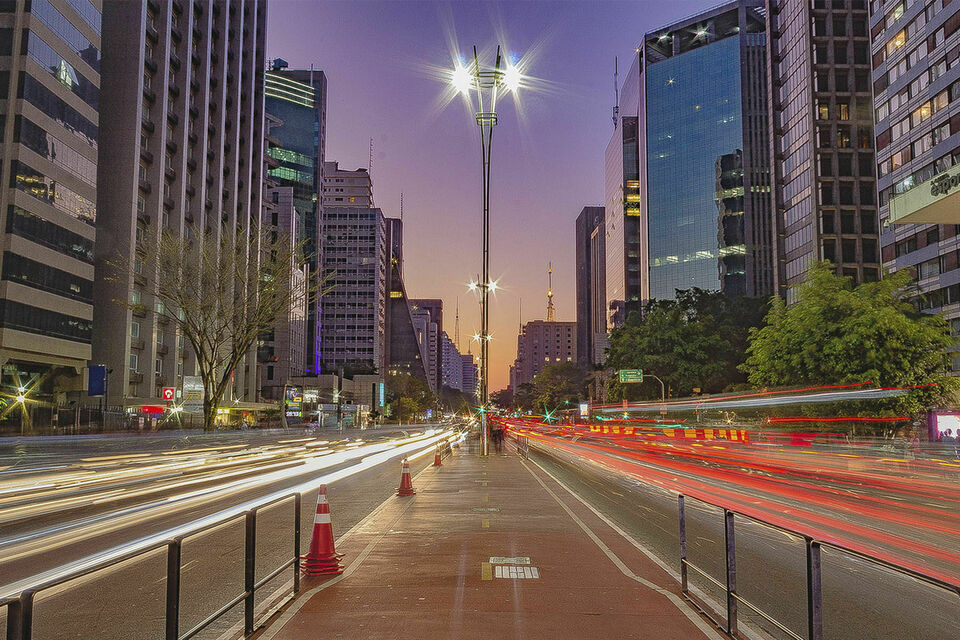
(451, 562)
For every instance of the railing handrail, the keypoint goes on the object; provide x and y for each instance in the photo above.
(829, 543)
(19, 601)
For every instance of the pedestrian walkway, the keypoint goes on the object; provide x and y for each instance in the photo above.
(489, 548)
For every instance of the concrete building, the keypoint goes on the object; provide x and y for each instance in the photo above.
(541, 344)
(427, 332)
(343, 188)
(435, 353)
(403, 354)
(49, 94)
(469, 367)
(183, 149)
(452, 369)
(353, 312)
(622, 223)
(591, 287)
(916, 87)
(282, 353)
(822, 143)
(687, 171)
(298, 98)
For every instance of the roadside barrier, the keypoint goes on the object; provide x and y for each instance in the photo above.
(322, 558)
(406, 486)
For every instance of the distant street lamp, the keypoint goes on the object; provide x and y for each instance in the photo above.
(488, 81)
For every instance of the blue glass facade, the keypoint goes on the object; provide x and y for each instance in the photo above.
(693, 129)
(297, 97)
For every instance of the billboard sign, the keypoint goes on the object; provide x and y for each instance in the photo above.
(97, 380)
(193, 394)
(293, 401)
(584, 409)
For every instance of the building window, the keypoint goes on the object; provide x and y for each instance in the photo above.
(134, 329)
(134, 363)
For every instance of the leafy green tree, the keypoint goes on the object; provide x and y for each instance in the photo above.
(408, 395)
(838, 333)
(557, 384)
(502, 398)
(695, 341)
(524, 397)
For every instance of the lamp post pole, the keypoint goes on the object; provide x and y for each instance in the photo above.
(490, 80)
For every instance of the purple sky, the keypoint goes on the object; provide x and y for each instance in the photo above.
(383, 62)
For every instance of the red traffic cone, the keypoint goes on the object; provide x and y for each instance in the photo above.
(322, 559)
(437, 459)
(406, 486)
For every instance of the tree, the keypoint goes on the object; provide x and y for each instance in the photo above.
(694, 341)
(557, 384)
(838, 333)
(221, 292)
(408, 395)
(525, 396)
(502, 398)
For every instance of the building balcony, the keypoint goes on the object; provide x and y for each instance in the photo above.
(146, 123)
(144, 186)
(170, 173)
(171, 146)
(136, 344)
(141, 280)
(176, 33)
(139, 311)
(150, 63)
(136, 377)
(174, 90)
(174, 61)
(168, 203)
(163, 319)
(149, 94)
(152, 32)
(173, 118)
(146, 156)
(162, 349)
(144, 218)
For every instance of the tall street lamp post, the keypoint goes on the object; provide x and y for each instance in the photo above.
(489, 81)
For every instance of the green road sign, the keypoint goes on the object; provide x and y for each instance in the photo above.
(631, 375)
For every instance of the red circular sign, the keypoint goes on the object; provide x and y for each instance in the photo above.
(168, 393)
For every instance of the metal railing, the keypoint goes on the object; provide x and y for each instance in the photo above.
(814, 584)
(20, 610)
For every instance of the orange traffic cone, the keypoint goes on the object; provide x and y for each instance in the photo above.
(406, 486)
(322, 559)
(437, 459)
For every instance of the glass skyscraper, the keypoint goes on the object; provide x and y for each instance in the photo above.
(693, 123)
(298, 98)
(699, 201)
(49, 112)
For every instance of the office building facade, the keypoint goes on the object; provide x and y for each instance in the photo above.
(541, 344)
(470, 373)
(353, 311)
(822, 142)
(183, 84)
(298, 98)
(433, 306)
(428, 338)
(50, 66)
(622, 224)
(344, 188)
(916, 84)
(704, 176)
(282, 352)
(591, 286)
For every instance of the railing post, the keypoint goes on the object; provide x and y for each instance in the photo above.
(248, 571)
(814, 592)
(26, 614)
(297, 500)
(173, 590)
(13, 620)
(730, 562)
(683, 545)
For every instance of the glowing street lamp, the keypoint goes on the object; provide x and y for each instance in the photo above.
(486, 84)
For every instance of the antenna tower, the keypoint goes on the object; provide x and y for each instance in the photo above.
(550, 312)
(616, 91)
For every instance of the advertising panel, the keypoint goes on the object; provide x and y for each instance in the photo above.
(193, 394)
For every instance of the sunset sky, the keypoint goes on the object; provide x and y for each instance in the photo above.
(385, 64)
